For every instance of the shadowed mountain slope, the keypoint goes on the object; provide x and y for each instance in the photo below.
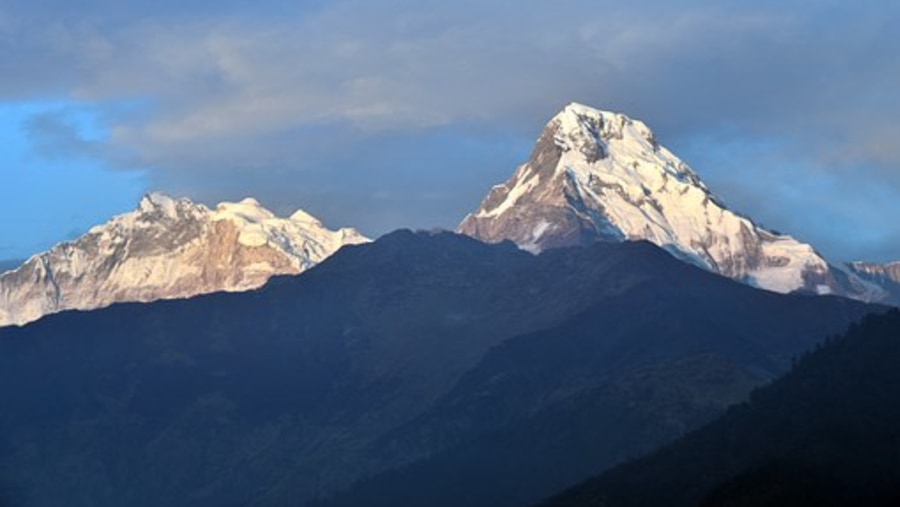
(827, 434)
(628, 374)
(369, 361)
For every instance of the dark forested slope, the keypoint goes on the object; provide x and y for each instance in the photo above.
(828, 433)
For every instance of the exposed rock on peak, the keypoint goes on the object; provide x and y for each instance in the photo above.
(601, 176)
(167, 248)
(885, 276)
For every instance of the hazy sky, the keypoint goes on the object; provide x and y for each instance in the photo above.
(381, 114)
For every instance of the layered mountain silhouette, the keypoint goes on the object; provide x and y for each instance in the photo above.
(826, 434)
(167, 249)
(613, 308)
(415, 353)
(601, 176)
(593, 176)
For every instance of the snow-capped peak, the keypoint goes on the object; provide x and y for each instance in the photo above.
(303, 217)
(247, 210)
(884, 277)
(594, 132)
(581, 121)
(600, 175)
(155, 202)
(167, 248)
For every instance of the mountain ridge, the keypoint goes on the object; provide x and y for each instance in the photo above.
(167, 248)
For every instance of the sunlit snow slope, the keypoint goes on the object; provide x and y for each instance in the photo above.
(601, 176)
(165, 249)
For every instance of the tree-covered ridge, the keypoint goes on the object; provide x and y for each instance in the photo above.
(827, 433)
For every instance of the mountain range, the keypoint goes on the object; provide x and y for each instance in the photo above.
(600, 304)
(417, 348)
(166, 249)
(593, 176)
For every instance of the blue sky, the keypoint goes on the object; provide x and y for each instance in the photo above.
(47, 196)
(381, 114)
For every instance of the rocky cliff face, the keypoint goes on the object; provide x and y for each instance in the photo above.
(601, 176)
(887, 272)
(167, 249)
(886, 276)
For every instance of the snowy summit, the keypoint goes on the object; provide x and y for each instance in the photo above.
(167, 248)
(601, 176)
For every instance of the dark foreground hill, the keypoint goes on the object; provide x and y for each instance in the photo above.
(826, 434)
(618, 379)
(412, 348)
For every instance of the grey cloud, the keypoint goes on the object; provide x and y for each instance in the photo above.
(376, 182)
(399, 63)
(54, 135)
